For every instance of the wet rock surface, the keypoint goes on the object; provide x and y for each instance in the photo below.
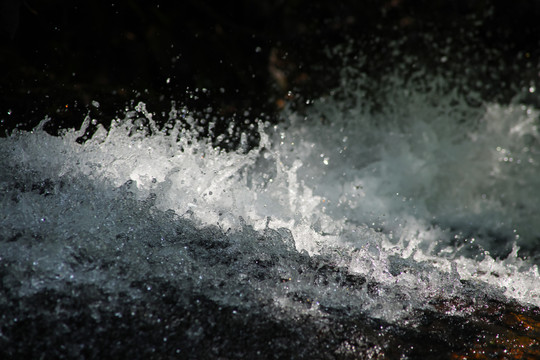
(172, 321)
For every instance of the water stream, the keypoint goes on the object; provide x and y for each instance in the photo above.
(342, 230)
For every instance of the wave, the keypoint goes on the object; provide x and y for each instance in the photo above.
(383, 214)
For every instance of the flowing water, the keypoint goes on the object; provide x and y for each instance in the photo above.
(336, 236)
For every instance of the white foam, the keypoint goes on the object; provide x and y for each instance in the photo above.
(374, 193)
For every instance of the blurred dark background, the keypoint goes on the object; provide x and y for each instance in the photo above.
(58, 57)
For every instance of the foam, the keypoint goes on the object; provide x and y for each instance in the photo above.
(412, 199)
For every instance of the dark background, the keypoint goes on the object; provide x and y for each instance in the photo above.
(58, 56)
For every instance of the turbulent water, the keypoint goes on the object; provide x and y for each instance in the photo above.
(341, 214)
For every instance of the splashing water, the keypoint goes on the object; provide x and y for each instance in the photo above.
(381, 213)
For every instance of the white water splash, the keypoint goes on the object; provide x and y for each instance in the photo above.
(412, 198)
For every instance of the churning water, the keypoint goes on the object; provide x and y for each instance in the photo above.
(374, 214)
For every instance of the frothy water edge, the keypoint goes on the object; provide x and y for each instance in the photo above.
(409, 199)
